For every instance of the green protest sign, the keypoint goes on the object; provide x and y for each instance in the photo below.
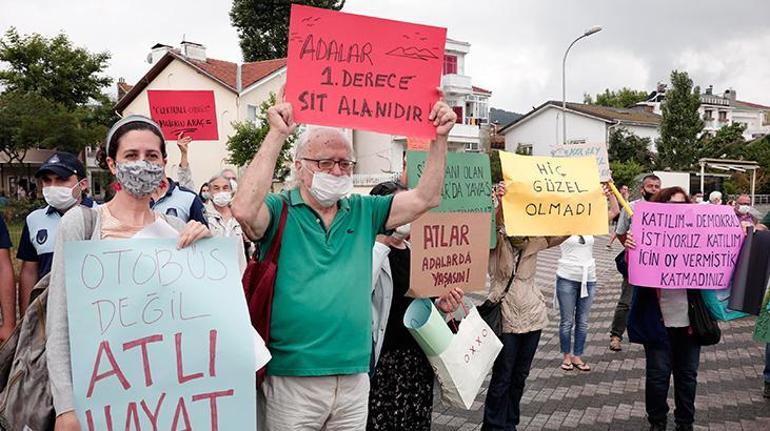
(467, 183)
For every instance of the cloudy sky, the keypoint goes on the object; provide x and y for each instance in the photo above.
(516, 46)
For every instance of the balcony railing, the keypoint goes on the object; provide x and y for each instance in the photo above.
(454, 83)
(362, 180)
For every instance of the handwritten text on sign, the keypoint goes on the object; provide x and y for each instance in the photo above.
(684, 246)
(449, 250)
(192, 113)
(467, 183)
(467, 180)
(157, 336)
(552, 196)
(586, 149)
(364, 73)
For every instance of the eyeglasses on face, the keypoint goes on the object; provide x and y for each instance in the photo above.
(328, 164)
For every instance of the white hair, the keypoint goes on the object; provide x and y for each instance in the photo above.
(305, 136)
(311, 131)
(218, 176)
(715, 196)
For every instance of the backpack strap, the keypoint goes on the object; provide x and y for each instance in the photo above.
(89, 222)
(275, 247)
(513, 274)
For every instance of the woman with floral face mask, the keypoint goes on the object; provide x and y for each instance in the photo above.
(136, 154)
(220, 217)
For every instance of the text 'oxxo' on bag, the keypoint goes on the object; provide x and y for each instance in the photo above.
(461, 361)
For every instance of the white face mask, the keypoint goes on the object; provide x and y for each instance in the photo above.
(743, 209)
(698, 200)
(222, 199)
(60, 198)
(402, 232)
(327, 189)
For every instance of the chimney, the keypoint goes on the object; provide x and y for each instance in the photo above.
(157, 52)
(122, 90)
(193, 51)
(730, 95)
(661, 87)
(710, 90)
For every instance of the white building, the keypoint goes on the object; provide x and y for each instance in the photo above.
(718, 111)
(380, 156)
(238, 89)
(538, 131)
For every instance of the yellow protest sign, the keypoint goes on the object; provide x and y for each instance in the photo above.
(552, 196)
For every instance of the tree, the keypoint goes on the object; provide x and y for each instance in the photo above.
(625, 146)
(495, 166)
(727, 143)
(248, 137)
(28, 120)
(263, 26)
(625, 173)
(53, 68)
(678, 147)
(623, 98)
(51, 95)
(758, 151)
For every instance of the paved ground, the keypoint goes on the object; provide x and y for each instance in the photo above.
(611, 396)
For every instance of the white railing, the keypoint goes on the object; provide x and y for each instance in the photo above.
(361, 180)
(454, 83)
(464, 132)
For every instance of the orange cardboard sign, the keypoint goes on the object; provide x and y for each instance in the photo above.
(449, 249)
(417, 144)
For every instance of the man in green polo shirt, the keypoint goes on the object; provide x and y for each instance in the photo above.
(320, 332)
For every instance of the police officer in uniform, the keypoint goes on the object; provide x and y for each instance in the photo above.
(180, 202)
(64, 182)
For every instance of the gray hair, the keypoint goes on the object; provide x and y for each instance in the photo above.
(311, 131)
(216, 177)
(305, 137)
(715, 196)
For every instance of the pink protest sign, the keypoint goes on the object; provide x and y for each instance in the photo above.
(365, 73)
(684, 246)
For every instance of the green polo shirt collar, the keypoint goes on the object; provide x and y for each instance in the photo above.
(295, 199)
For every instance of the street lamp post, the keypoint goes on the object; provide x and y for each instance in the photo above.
(590, 31)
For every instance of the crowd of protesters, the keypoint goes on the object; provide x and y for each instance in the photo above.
(347, 364)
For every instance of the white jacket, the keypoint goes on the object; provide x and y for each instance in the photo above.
(382, 295)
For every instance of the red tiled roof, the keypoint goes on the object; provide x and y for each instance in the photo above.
(221, 71)
(742, 104)
(258, 70)
(480, 90)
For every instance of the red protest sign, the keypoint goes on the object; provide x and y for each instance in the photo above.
(192, 113)
(360, 72)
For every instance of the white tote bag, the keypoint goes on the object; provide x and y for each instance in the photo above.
(462, 367)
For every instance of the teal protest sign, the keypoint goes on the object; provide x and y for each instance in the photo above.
(467, 183)
(160, 338)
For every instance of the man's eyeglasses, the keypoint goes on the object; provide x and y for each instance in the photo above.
(328, 164)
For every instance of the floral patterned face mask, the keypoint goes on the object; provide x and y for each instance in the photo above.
(139, 178)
